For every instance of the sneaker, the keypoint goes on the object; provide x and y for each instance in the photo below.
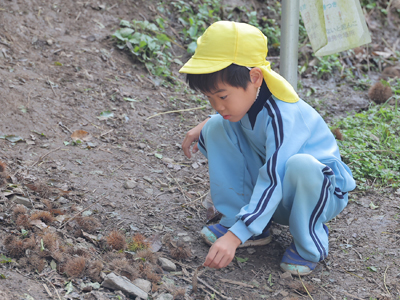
(293, 263)
(211, 233)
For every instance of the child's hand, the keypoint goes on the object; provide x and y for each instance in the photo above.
(222, 251)
(192, 136)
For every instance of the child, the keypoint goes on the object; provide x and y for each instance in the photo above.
(271, 156)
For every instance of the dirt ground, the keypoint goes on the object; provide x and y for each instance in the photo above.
(60, 69)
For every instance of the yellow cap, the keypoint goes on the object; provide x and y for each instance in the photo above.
(225, 43)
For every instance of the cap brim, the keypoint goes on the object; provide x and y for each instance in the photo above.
(203, 66)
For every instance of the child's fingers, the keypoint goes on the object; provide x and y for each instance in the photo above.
(195, 147)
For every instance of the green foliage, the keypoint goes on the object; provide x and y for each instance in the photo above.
(4, 259)
(371, 146)
(327, 65)
(149, 43)
(196, 18)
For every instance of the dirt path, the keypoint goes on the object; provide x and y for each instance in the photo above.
(59, 71)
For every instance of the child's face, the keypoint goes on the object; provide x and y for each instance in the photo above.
(232, 103)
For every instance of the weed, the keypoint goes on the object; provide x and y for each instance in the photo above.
(75, 267)
(94, 269)
(149, 43)
(116, 240)
(147, 255)
(88, 224)
(371, 146)
(137, 243)
(18, 210)
(4, 259)
(44, 216)
(327, 65)
(181, 251)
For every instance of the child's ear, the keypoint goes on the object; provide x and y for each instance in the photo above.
(256, 76)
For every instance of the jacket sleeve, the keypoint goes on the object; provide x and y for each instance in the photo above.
(285, 136)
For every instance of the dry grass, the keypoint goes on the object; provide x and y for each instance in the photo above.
(137, 242)
(150, 273)
(16, 247)
(18, 210)
(50, 241)
(75, 267)
(181, 251)
(44, 216)
(88, 224)
(116, 240)
(123, 267)
(148, 255)
(23, 221)
(380, 93)
(41, 188)
(3, 174)
(94, 269)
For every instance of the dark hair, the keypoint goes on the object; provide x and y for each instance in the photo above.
(234, 75)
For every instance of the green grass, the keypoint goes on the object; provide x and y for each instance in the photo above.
(371, 146)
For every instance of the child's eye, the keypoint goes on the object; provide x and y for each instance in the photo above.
(223, 97)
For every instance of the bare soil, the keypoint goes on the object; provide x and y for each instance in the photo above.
(60, 69)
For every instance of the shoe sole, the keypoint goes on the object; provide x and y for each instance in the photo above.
(248, 243)
(295, 273)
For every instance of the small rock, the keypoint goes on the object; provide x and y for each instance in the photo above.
(130, 184)
(21, 200)
(187, 239)
(165, 297)
(166, 264)
(195, 165)
(251, 250)
(145, 285)
(115, 282)
(62, 200)
(149, 191)
(148, 179)
(49, 42)
(286, 275)
(142, 145)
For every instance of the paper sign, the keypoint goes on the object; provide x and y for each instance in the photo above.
(334, 25)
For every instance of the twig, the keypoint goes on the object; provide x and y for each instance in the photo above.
(175, 111)
(352, 296)
(384, 280)
(65, 127)
(236, 283)
(117, 168)
(51, 85)
(180, 188)
(76, 19)
(53, 287)
(211, 288)
(327, 292)
(47, 290)
(107, 132)
(77, 214)
(111, 7)
(86, 119)
(304, 285)
(40, 158)
(352, 273)
(185, 204)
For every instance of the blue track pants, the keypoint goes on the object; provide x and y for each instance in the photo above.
(309, 196)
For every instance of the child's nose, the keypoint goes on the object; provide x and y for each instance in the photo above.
(219, 106)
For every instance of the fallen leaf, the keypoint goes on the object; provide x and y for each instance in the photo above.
(38, 223)
(106, 115)
(373, 206)
(81, 135)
